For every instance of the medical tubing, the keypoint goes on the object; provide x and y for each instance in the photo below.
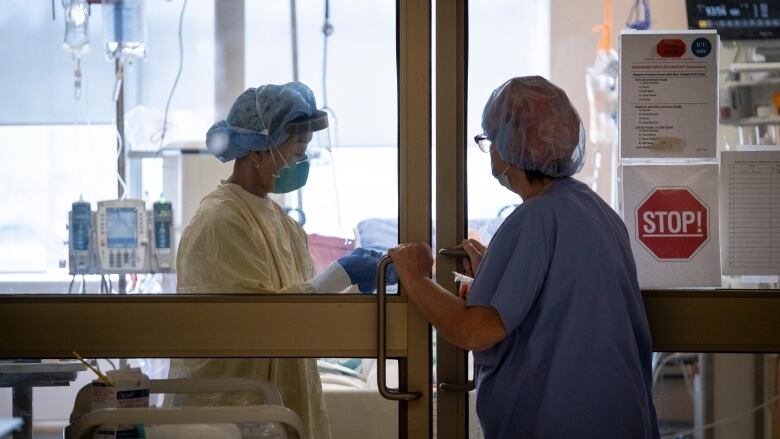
(178, 75)
(87, 115)
(663, 362)
(119, 151)
(333, 174)
(80, 165)
(722, 421)
(327, 31)
(335, 128)
(89, 129)
(72, 281)
(120, 147)
(688, 383)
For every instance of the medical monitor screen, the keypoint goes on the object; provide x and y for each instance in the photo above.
(736, 20)
(122, 227)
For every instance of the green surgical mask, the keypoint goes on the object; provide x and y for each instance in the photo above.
(292, 176)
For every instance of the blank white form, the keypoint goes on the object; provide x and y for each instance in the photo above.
(750, 212)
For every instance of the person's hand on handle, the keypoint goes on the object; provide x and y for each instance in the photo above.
(476, 252)
(412, 262)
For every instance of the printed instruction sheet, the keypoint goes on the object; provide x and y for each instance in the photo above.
(750, 212)
(668, 94)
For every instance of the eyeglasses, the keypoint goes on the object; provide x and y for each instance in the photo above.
(484, 144)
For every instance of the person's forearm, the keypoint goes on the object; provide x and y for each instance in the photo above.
(445, 311)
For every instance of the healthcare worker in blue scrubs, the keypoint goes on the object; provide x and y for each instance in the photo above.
(240, 241)
(555, 316)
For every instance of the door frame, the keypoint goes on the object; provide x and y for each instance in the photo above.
(345, 326)
(452, 408)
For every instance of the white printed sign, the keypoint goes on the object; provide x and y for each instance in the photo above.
(750, 208)
(671, 212)
(668, 94)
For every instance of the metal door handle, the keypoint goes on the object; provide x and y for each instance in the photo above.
(381, 318)
(450, 387)
(453, 252)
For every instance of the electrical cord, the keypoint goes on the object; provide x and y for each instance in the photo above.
(178, 75)
(722, 421)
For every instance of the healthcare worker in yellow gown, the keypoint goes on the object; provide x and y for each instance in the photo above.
(241, 241)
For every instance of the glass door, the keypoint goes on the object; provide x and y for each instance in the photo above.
(363, 188)
(715, 370)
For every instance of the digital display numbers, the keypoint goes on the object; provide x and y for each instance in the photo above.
(740, 10)
(717, 11)
(163, 210)
(734, 19)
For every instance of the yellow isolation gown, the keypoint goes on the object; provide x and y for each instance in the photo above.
(240, 243)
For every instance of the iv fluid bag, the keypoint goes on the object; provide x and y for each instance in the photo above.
(602, 88)
(76, 31)
(124, 28)
(601, 83)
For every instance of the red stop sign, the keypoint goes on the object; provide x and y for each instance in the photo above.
(672, 224)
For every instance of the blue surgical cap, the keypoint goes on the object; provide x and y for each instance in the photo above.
(534, 126)
(265, 117)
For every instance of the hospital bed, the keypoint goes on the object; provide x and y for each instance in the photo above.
(191, 422)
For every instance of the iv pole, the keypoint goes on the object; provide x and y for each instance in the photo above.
(119, 98)
(294, 41)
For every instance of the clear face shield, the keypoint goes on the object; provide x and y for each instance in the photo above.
(296, 154)
(317, 132)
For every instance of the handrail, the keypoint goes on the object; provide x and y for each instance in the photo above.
(268, 391)
(86, 426)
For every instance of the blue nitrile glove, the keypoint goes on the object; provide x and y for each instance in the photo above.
(361, 266)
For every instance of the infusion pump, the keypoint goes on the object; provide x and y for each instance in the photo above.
(120, 237)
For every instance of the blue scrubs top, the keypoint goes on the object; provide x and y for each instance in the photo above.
(576, 361)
